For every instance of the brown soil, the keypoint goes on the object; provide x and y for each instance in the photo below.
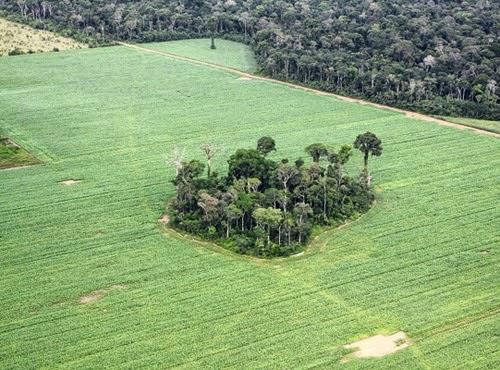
(297, 255)
(25, 38)
(92, 297)
(410, 114)
(69, 182)
(15, 168)
(164, 219)
(378, 345)
(98, 294)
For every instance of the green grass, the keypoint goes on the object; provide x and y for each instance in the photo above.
(228, 53)
(493, 126)
(12, 155)
(424, 260)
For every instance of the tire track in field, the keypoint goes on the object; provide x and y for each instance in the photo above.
(409, 114)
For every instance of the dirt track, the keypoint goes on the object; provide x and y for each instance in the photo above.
(409, 114)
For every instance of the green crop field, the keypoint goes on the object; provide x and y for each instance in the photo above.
(424, 260)
(227, 53)
(493, 126)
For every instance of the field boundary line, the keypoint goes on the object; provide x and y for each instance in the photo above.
(407, 113)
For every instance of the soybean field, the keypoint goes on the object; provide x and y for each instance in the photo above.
(89, 279)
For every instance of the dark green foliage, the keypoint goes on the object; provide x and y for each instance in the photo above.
(266, 145)
(440, 57)
(267, 208)
(250, 163)
(16, 51)
(12, 155)
(316, 151)
(368, 143)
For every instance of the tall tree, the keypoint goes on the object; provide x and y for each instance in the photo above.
(368, 143)
(266, 145)
(270, 217)
(316, 151)
(210, 151)
(232, 213)
(301, 212)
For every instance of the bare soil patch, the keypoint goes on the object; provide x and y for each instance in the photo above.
(26, 39)
(379, 345)
(98, 294)
(92, 297)
(245, 78)
(70, 182)
(164, 219)
(297, 255)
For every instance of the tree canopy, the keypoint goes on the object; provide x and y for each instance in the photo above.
(440, 57)
(263, 207)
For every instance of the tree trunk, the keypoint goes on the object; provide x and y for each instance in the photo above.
(324, 200)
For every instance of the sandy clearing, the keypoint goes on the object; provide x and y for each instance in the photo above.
(409, 114)
(379, 345)
(98, 294)
(69, 182)
(25, 38)
(164, 219)
(297, 254)
(92, 297)
(16, 167)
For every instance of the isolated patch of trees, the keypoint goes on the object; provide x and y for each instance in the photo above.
(441, 57)
(268, 208)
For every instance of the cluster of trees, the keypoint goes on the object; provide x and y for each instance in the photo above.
(436, 56)
(267, 208)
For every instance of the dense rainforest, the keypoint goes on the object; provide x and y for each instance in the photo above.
(268, 208)
(436, 56)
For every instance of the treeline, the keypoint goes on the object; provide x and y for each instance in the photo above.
(267, 208)
(441, 57)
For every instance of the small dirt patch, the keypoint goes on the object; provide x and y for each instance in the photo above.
(92, 297)
(244, 78)
(297, 254)
(164, 219)
(69, 182)
(379, 345)
(98, 294)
